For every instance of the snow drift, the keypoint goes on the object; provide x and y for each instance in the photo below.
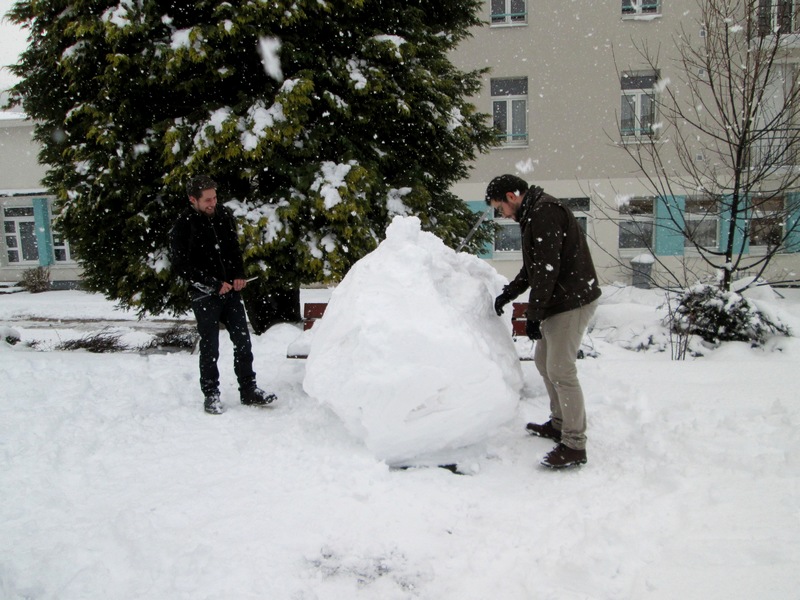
(410, 354)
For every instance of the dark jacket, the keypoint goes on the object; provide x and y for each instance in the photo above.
(557, 265)
(205, 251)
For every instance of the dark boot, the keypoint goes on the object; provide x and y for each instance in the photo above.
(545, 430)
(213, 404)
(257, 397)
(562, 457)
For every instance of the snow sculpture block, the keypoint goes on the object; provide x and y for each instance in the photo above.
(410, 354)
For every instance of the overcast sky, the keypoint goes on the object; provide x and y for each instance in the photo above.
(12, 41)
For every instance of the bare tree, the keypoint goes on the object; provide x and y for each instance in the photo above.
(719, 142)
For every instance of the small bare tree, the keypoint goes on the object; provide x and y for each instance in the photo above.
(722, 133)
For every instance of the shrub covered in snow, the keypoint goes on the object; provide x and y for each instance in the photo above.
(9, 335)
(36, 280)
(719, 316)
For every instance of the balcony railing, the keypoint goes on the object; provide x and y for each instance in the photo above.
(517, 17)
(513, 139)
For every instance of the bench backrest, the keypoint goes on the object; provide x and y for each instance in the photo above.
(314, 310)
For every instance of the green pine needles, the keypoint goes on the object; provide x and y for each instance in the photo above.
(321, 121)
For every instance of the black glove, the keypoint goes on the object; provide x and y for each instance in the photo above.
(500, 302)
(533, 330)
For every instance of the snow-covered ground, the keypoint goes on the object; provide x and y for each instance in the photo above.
(115, 484)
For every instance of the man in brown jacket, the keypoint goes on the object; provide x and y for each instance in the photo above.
(558, 268)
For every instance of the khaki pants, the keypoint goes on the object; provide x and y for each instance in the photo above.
(555, 357)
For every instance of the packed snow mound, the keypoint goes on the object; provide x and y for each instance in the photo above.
(410, 354)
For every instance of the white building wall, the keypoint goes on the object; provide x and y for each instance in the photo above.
(572, 54)
(20, 187)
(18, 155)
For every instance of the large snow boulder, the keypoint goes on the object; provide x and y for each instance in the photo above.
(410, 354)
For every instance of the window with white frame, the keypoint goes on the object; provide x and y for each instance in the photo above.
(580, 208)
(781, 16)
(701, 223)
(638, 111)
(509, 12)
(61, 251)
(507, 237)
(510, 110)
(19, 227)
(766, 222)
(775, 134)
(641, 7)
(636, 224)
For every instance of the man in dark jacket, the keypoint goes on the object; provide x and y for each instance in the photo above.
(558, 268)
(205, 252)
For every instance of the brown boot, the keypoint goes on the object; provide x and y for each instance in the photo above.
(545, 430)
(563, 456)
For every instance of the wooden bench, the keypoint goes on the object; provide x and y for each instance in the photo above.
(518, 319)
(313, 311)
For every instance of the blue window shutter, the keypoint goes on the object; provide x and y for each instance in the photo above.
(741, 245)
(41, 217)
(480, 206)
(793, 222)
(669, 225)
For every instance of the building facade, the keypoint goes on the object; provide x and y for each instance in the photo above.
(26, 210)
(568, 91)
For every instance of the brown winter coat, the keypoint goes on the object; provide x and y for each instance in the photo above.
(557, 265)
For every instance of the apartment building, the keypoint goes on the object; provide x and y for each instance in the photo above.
(26, 209)
(568, 90)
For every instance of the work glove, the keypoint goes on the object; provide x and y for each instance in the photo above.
(533, 329)
(500, 302)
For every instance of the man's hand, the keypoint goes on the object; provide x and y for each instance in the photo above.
(500, 302)
(533, 330)
(237, 286)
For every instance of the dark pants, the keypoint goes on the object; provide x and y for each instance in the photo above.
(228, 309)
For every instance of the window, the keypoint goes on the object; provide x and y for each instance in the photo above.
(778, 15)
(636, 224)
(641, 7)
(61, 249)
(580, 208)
(509, 12)
(507, 237)
(638, 104)
(766, 223)
(774, 139)
(701, 223)
(19, 227)
(510, 110)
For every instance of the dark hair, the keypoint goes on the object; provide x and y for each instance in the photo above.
(502, 184)
(199, 183)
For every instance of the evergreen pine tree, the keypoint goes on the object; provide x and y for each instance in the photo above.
(320, 119)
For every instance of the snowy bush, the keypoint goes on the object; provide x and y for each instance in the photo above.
(179, 337)
(720, 316)
(36, 280)
(9, 335)
(96, 342)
